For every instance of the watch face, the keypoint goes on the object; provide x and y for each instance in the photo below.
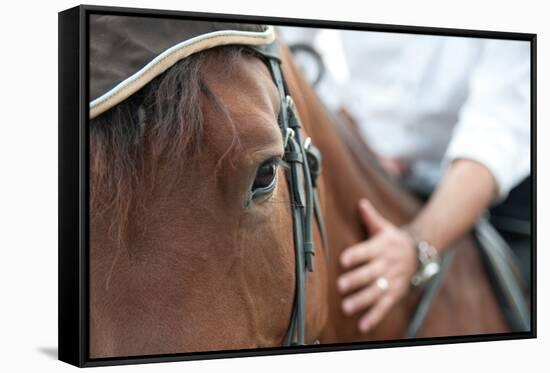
(431, 269)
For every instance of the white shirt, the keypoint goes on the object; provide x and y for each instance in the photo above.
(432, 99)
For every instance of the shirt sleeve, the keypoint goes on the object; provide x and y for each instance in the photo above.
(494, 122)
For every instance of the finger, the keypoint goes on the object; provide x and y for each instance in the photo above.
(361, 252)
(373, 220)
(390, 165)
(376, 313)
(362, 299)
(361, 276)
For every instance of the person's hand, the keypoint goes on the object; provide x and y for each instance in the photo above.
(378, 270)
(394, 166)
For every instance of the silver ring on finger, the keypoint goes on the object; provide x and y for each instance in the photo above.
(382, 283)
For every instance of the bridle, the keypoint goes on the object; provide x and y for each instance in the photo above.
(304, 161)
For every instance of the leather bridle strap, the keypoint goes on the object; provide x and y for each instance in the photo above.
(314, 162)
(302, 204)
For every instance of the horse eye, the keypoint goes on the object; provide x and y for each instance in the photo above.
(265, 178)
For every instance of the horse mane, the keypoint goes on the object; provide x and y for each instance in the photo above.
(161, 122)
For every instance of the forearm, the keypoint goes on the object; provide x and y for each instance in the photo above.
(464, 194)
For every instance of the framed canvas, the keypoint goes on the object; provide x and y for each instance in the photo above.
(236, 186)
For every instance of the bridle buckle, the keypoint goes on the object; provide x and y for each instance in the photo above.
(289, 133)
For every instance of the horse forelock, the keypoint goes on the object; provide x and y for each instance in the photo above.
(163, 122)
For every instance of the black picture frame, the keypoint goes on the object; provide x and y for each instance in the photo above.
(74, 184)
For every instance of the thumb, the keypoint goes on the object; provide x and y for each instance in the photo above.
(373, 220)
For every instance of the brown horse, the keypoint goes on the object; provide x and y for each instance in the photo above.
(185, 256)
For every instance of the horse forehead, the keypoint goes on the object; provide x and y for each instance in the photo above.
(245, 85)
(249, 96)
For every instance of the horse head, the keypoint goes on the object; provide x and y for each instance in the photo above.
(192, 237)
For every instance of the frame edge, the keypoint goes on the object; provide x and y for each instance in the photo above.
(69, 248)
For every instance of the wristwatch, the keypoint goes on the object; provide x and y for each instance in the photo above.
(428, 263)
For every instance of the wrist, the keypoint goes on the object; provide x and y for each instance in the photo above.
(427, 260)
(411, 249)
